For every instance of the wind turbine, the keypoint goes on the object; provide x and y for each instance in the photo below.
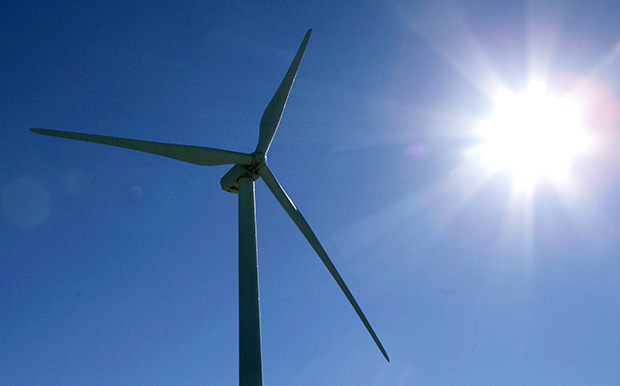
(240, 179)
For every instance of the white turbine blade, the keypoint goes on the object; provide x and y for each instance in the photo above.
(271, 117)
(193, 154)
(303, 226)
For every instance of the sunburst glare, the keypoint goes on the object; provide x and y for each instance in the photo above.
(533, 134)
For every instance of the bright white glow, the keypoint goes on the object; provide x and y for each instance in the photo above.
(533, 135)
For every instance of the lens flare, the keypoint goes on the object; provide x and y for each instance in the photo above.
(533, 134)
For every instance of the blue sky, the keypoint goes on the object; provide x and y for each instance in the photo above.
(120, 268)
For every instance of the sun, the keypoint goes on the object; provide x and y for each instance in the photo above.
(533, 135)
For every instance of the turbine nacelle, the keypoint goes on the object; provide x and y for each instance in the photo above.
(230, 181)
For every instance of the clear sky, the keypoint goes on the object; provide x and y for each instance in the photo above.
(120, 268)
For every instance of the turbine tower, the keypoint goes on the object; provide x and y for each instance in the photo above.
(240, 179)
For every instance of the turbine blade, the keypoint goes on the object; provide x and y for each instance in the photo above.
(193, 154)
(271, 117)
(303, 226)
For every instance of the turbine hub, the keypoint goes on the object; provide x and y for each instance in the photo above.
(258, 160)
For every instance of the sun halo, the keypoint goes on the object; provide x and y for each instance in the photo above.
(532, 135)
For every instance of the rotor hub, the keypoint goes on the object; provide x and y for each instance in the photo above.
(258, 159)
